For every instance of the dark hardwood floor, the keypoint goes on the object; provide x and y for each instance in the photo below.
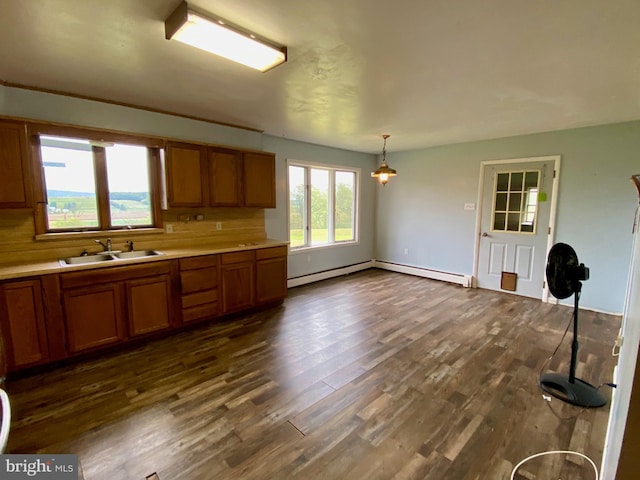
(375, 375)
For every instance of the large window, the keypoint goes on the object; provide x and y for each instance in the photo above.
(322, 205)
(96, 185)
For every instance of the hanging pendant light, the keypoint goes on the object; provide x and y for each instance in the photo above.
(384, 172)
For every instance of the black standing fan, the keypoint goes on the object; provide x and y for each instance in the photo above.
(564, 275)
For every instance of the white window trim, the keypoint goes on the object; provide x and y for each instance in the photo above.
(331, 220)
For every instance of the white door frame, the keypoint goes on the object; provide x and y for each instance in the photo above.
(552, 216)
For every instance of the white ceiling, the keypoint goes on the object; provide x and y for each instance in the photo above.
(428, 72)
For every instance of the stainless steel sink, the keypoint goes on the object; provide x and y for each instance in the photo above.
(108, 257)
(136, 254)
(82, 260)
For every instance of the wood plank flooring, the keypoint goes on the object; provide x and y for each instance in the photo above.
(376, 375)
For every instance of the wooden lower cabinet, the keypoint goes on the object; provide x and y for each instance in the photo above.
(57, 316)
(93, 316)
(106, 306)
(271, 274)
(199, 288)
(237, 277)
(24, 334)
(148, 304)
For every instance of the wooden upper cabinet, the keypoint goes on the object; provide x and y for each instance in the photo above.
(259, 180)
(225, 171)
(208, 176)
(186, 166)
(15, 182)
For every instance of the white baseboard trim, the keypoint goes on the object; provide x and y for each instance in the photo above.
(337, 272)
(460, 279)
(554, 301)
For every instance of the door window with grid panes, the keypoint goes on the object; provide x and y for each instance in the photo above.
(515, 201)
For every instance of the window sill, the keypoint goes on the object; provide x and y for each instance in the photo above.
(97, 233)
(294, 250)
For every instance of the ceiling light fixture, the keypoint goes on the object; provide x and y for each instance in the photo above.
(221, 38)
(384, 172)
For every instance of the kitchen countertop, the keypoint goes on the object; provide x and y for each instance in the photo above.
(15, 271)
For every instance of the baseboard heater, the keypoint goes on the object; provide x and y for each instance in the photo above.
(326, 274)
(458, 278)
(464, 280)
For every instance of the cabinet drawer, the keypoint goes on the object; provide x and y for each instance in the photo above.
(113, 274)
(271, 252)
(199, 312)
(199, 280)
(199, 262)
(199, 298)
(238, 257)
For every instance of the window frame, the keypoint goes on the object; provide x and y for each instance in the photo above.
(331, 220)
(154, 148)
(523, 213)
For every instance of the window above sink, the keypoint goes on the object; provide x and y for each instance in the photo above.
(95, 185)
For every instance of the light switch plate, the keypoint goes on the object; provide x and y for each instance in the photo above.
(469, 206)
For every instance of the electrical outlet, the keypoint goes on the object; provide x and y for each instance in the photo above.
(218, 225)
(406, 251)
(168, 228)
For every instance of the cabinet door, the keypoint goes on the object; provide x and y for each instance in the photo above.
(23, 326)
(186, 170)
(271, 279)
(93, 316)
(225, 169)
(237, 286)
(4, 368)
(149, 304)
(259, 180)
(15, 190)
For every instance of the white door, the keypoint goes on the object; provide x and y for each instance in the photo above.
(515, 223)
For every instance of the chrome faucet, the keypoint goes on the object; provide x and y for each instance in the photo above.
(106, 246)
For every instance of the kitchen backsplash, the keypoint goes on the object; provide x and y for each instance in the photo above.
(237, 225)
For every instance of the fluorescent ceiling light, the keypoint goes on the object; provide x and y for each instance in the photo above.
(220, 38)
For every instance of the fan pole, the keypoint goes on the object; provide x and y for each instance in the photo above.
(571, 389)
(574, 343)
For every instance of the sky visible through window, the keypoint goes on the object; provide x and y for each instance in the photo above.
(69, 171)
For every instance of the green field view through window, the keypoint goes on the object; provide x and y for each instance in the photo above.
(322, 205)
(70, 178)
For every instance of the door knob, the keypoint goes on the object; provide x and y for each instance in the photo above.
(485, 234)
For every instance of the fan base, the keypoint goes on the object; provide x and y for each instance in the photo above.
(578, 393)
